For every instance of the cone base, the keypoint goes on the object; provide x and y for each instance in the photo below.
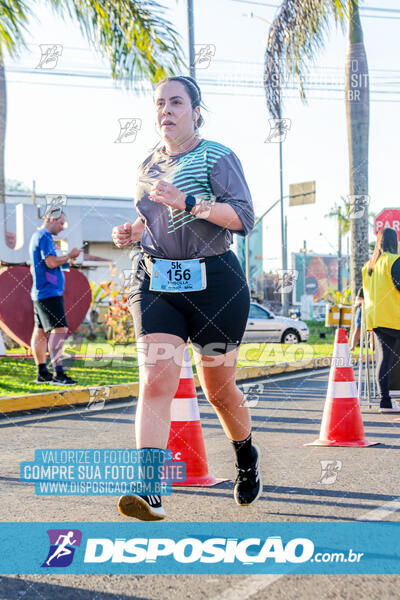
(200, 481)
(355, 444)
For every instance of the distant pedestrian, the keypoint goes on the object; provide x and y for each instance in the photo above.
(355, 338)
(381, 284)
(50, 327)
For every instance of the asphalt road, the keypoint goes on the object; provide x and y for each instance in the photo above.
(287, 415)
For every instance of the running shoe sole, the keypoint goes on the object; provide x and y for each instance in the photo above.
(62, 383)
(135, 506)
(259, 477)
(390, 410)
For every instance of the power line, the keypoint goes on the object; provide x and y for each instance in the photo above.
(213, 93)
(362, 9)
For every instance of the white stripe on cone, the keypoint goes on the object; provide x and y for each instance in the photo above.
(341, 389)
(185, 409)
(341, 356)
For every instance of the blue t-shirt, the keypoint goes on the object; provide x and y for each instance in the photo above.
(47, 283)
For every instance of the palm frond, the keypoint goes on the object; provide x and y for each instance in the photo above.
(13, 19)
(137, 39)
(296, 34)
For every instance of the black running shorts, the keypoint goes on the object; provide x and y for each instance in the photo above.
(49, 313)
(214, 319)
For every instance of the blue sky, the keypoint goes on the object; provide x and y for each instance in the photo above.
(61, 130)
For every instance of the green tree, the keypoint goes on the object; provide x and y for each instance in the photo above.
(344, 215)
(341, 211)
(138, 41)
(296, 35)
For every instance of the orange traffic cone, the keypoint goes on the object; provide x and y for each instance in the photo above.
(341, 422)
(185, 437)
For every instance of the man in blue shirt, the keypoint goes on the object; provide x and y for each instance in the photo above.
(50, 327)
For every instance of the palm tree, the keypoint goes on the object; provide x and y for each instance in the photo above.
(296, 35)
(134, 35)
(341, 211)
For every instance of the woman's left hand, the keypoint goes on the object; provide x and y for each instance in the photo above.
(166, 193)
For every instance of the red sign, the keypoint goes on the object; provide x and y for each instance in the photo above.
(388, 217)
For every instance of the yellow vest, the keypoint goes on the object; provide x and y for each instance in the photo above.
(381, 298)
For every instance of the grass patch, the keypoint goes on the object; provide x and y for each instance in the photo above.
(17, 375)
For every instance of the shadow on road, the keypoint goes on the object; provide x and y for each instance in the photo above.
(12, 588)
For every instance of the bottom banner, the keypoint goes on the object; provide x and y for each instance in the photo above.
(247, 548)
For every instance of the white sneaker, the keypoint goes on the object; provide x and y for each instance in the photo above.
(395, 408)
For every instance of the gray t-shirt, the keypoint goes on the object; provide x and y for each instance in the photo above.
(210, 171)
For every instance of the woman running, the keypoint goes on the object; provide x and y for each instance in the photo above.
(191, 196)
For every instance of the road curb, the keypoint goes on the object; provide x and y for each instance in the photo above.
(76, 397)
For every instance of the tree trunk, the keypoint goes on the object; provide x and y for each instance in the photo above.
(357, 111)
(3, 123)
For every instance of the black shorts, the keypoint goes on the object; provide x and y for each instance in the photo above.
(214, 319)
(49, 313)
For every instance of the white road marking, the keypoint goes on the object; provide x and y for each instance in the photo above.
(377, 514)
(256, 583)
(247, 587)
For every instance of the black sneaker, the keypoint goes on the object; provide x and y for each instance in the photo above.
(248, 485)
(63, 379)
(145, 508)
(44, 377)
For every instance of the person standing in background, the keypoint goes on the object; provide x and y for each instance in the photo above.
(355, 338)
(50, 325)
(381, 285)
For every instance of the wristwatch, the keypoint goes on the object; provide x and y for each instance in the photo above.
(190, 202)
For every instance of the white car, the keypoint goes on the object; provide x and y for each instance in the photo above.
(264, 326)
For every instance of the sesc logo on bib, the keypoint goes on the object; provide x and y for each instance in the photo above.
(178, 275)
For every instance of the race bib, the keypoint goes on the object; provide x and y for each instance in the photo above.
(178, 275)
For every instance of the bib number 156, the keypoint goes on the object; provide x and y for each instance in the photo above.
(176, 273)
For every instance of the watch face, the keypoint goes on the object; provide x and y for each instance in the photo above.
(190, 202)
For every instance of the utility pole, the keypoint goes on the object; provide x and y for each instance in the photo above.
(247, 242)
(304, 265)
(192, 68)
(247, 258)
(284, 297)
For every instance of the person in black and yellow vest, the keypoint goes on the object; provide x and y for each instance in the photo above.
(381, 284)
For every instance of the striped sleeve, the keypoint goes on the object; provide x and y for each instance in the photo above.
(229, 185)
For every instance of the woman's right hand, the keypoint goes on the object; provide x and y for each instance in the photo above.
(122, 235)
